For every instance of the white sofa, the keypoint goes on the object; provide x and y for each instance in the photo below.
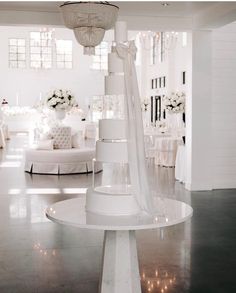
(60, 161)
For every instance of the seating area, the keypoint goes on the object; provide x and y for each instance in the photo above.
(59, 161)
(59, 151)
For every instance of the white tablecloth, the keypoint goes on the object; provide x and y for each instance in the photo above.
(150, 143)
(166, 149)
(180, 167)
(2, 138)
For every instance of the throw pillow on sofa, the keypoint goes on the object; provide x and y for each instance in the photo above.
(44, 145)
(76, 140)
(62, 137)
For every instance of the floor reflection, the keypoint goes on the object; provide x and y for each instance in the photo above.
(165, 259)
(197, 256)
(51, 258)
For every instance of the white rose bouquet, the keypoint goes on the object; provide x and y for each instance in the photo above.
(61, 100)
(175, 102)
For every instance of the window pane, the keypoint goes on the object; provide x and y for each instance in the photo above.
(103, 45)
(34, 43)
(35, 57)
(35, 50)
(21, 64)
(13, 64)
(64, 53)
(46, 57)
(21, 42)
(60, 58)
(13, 49)
(21, 50)
(103, 58)
(13, 42)
(97, 51)
(12, 56)
(21, 56)
(45, 50)
(100, 58)
(16, 53)
(103, 66)
(41, 51)
(35, 35)
(104, 51)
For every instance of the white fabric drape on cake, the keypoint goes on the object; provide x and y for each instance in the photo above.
(134, 128)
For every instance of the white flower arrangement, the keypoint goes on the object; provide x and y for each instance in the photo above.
(60, 100)
(175, 102)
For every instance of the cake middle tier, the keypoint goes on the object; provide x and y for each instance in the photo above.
(112, 129)
(112, 151)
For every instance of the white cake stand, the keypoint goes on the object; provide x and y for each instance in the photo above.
(120, 272)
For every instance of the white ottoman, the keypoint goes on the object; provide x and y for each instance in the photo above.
(59, 161)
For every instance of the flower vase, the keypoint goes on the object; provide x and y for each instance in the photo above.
(60, 114)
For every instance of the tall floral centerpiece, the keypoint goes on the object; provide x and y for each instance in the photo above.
(175, 106)
(60, 101)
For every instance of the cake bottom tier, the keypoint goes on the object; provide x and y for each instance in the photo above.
(111, 204)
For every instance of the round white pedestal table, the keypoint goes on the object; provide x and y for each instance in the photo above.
(120, 272)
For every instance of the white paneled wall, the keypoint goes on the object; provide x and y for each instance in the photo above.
(224, 107)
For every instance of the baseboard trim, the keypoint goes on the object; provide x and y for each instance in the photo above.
(203, 186)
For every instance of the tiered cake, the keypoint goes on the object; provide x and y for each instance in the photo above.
(113, 195)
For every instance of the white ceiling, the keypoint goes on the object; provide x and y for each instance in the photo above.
(142, 8)
(140, 15)
(38, 6)
(155, 8)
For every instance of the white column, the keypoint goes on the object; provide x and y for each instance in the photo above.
(198, 115)
(120, 272)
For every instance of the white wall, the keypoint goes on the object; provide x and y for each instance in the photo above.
(224, 107)
(198, 118)
(177, 59)
(28, 83)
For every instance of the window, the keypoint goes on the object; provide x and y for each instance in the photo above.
(17, 53)
(100, 57)
(64, 54)
(184, 77)
(154, 49)
(184, 39)
(41, 49)
(162, 47)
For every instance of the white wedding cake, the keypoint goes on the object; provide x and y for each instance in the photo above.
(112, 196)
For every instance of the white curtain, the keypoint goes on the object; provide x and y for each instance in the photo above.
(134, 127)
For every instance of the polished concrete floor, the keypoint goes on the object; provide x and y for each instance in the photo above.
(37, 255)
